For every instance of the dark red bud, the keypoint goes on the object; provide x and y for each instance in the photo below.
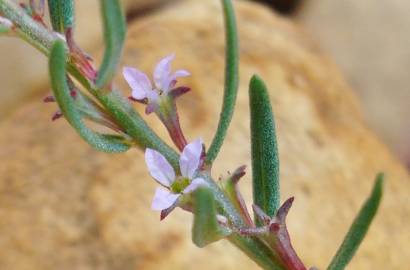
(179, 91)
(274, 227)
(284, 209)
(142, 101)
(48, 99)
(57, 115)
(238, 174)
(166, 212)
(73, 93)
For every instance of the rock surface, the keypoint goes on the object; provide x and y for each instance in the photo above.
(369, 41)
(24, 71)
(64, 206)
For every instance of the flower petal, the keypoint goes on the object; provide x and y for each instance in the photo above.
(159, 167)
(181, 73)
(153, 96)
(162, 72)
(196, 183)
(172, 79)
(138, 81)
(163, 199)
(190, 158)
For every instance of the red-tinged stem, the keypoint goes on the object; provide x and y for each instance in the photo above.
(231, 189)
(81, 60)
(177, 136)
(166, 110)
(279, 239)
(287, 253)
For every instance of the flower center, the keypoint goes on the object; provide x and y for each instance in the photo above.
(159, 91)
(180, 184)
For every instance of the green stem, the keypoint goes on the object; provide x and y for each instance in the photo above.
(133, 124)
(253, 247)
(117, 105)
(27, 28)
(231, 81)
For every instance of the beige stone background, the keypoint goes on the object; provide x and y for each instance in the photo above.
(64, 206)
(368, 40)
(24, 71)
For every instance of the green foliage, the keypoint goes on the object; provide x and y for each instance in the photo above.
(114, 36)
(61, 90)
(265, 158)
(112, 108)
(134, 125)
(61, 14)
(359, 228)
(231, 81)
(206, 229)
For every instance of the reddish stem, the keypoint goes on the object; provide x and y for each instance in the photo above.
(281, 241)
(167, 113)
(176, 134)
(81, 59)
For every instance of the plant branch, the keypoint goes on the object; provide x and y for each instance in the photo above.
(116, 104)
(231, 81)
(134, 126)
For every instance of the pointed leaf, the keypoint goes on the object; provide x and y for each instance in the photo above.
(265, 159)
(231, 81)
(279, 238)
(116, 105)
(231, 190)
(206, 229)
(359, 227)
(114, 35)
(61, 90)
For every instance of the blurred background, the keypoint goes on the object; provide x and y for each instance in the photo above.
(369, 40)
(56, 193)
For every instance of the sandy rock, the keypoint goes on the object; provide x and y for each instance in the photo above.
(64, 206)
(369, 41)
(23, 70)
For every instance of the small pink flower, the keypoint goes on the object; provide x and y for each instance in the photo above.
(161, 97)
(164, 80)
(164, 174)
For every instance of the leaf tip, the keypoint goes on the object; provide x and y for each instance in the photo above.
(380, 180)
(256, 80)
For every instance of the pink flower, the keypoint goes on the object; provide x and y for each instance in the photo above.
(164, 80)
(160, 98)
(175, 186)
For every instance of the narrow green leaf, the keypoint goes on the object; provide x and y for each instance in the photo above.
(61, 14)
(231, 81)
(55, 15)
(206, 229)
(359, 227)
(114, 35)
(68, 11)
(61, 90)
(113, 102)
(93, 111)
(265, 158)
